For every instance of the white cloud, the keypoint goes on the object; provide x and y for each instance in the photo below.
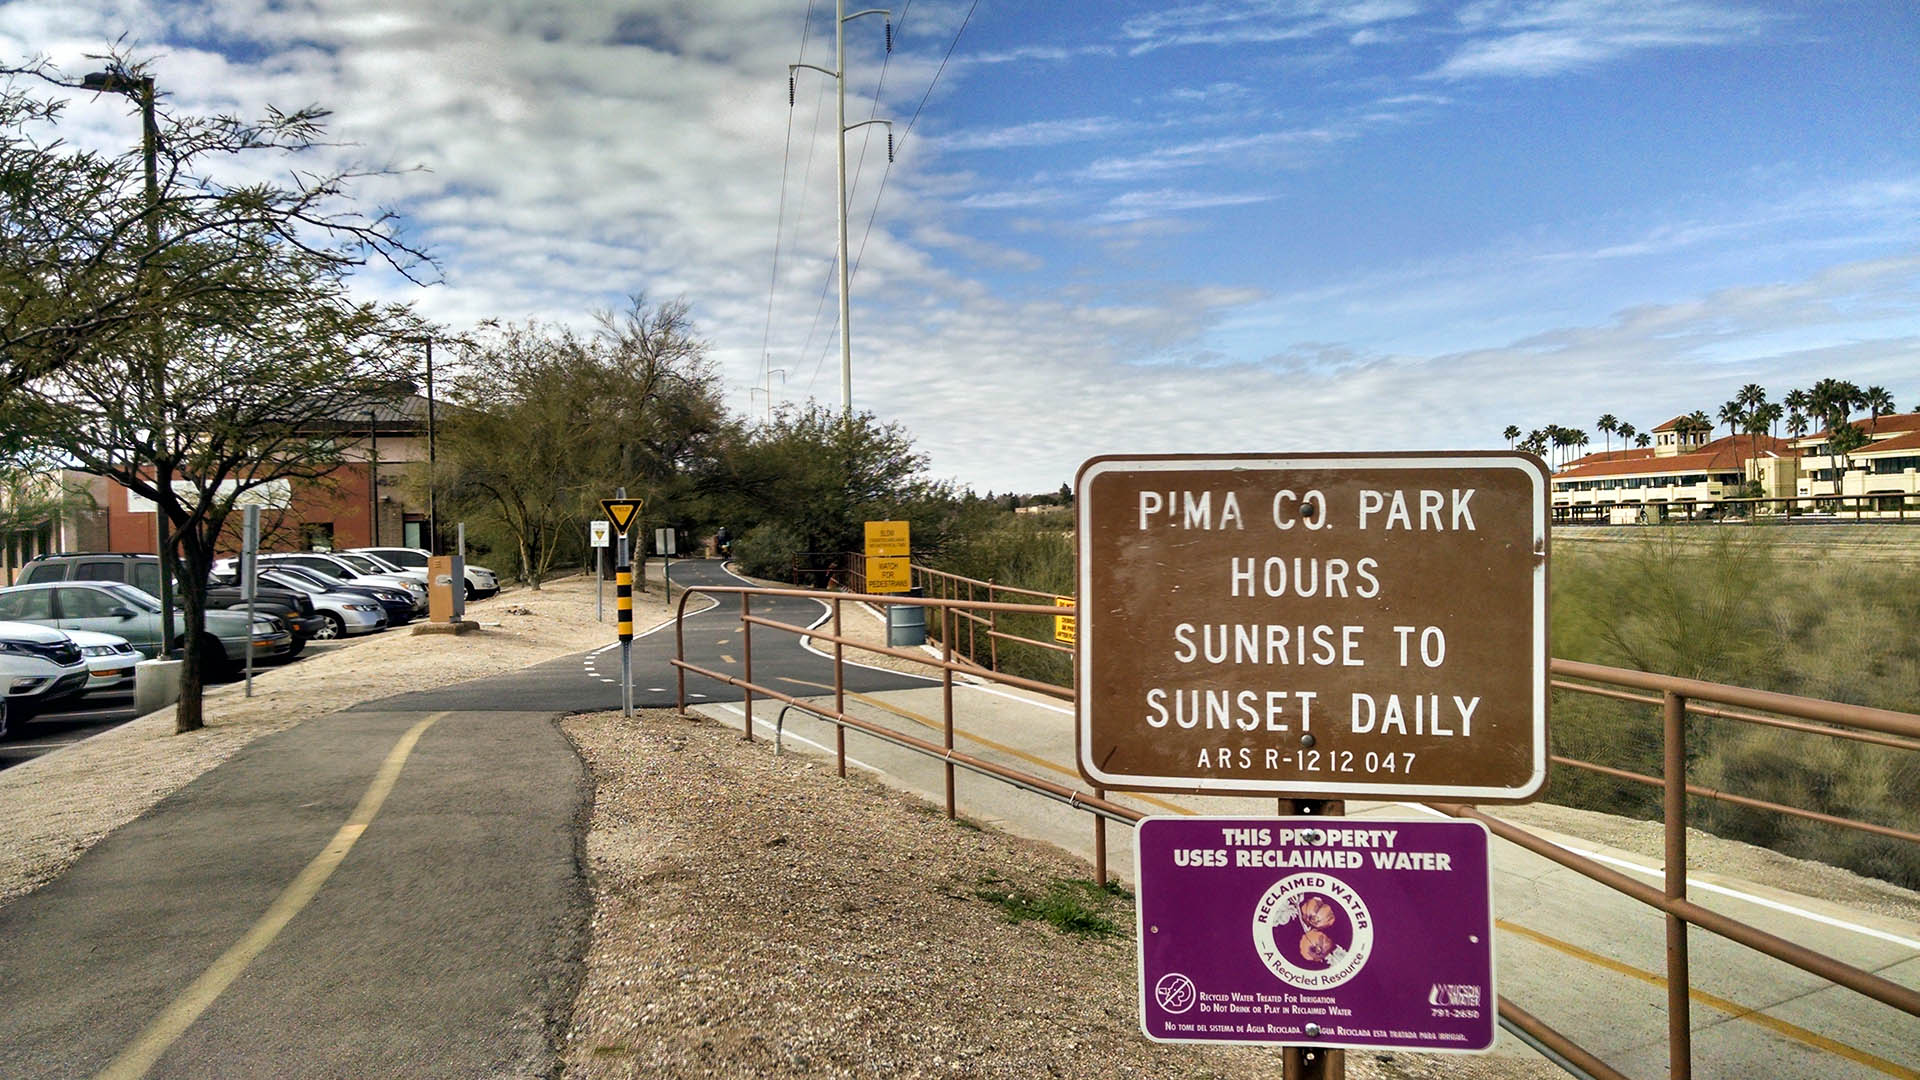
(1547, 37)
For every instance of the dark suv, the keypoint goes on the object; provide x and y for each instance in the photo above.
(143, 572)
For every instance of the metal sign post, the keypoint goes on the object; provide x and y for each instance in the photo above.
(599, 534)
(249, 580)
(622, 511)
(666, 542)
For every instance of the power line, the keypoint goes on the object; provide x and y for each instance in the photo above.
(901, 144)
(780, 224)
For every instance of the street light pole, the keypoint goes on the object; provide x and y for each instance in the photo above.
(373, 480)
(433, 492)
(141, 88)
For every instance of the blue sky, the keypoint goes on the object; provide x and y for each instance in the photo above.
(1228, 225)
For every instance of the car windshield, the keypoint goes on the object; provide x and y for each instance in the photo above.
(405, 558)
(384, 564)
(133, 598)
(362, 563)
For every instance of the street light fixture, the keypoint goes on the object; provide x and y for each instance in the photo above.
(140, 88)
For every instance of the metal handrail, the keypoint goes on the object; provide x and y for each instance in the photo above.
(1677, 698)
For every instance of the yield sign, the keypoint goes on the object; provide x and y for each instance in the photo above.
(621, 512)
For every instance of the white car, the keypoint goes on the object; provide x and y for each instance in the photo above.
(39, 665)
(346, 613)
(109, 658)
(333, 567)
(481, 582)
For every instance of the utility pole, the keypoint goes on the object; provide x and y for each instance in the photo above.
(841, 127)
(117, 80)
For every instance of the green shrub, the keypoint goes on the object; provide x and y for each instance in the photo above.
(1735, 607)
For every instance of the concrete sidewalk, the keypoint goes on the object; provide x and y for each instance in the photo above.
(444, 943)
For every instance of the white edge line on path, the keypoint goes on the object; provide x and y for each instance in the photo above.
(1657, 870)
(851, 760)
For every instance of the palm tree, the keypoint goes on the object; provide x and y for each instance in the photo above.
(1799, 401)
(1732, 415)
(1609, 424)
(1833, 400)
(1512, 433)
(1562, 438)
(1752, 396)
(1695, 423)
(1626, 434)
(1797, 420)
(1878, 403)
(1643, 440)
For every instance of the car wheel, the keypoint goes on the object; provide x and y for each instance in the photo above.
(4, 711)
(470, 590)
(335, 627)
(299, 646)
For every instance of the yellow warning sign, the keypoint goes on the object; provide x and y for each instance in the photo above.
(621, 512)
(1063, 624)
(889, 538)
(889, 574)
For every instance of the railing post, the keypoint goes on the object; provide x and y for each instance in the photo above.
(839, 693)
(1099, 842)
(993, 628)
(1679, 1004)
(680, 654)
(946, 694)
(1312, 1062)
(746, 657)
(973, 624)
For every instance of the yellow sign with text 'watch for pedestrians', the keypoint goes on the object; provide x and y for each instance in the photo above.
(889, 574)
(621, 512)
(1063, 624)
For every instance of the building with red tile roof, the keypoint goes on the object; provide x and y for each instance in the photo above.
(1688, 471)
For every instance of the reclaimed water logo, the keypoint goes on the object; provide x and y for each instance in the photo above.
(1312, 931)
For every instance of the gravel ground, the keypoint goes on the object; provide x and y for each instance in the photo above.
(758, 917)
(58, 805)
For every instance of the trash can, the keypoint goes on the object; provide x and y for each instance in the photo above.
(907, 623)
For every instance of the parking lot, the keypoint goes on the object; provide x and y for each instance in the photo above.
(83, 715)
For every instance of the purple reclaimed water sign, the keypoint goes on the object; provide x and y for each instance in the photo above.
(1314, 931)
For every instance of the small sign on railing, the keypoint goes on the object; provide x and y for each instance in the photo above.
(1063, 624)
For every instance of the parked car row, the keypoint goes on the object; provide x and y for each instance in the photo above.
(79, 622)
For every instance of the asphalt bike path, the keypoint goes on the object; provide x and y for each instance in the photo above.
(590, 681)
(1578, 955)
(366, 894)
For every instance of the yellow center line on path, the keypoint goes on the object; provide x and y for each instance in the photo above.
(725, 659)
(146, 1048)
(1732, 1008)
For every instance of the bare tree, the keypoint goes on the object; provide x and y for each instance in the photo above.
(90, 261)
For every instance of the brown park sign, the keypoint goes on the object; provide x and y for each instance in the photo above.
(1326, 625)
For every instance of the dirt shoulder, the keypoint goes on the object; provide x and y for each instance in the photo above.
(55, 807)
(756, 916)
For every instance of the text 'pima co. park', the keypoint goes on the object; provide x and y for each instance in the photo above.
(1351, 625)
